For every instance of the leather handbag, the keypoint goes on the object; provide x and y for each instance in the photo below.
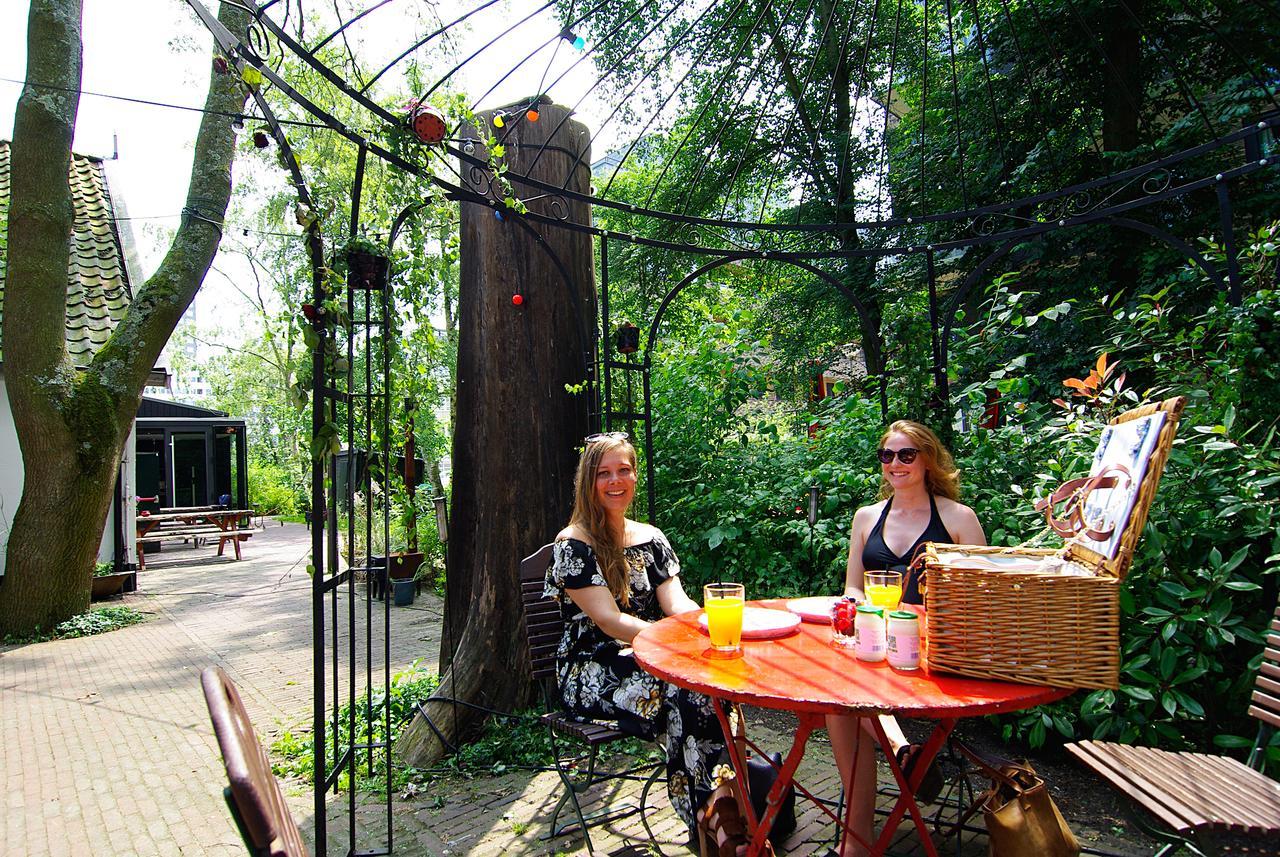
(1021, 818)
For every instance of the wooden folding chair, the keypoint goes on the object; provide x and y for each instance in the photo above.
(1212, 804)
(254, 795)
(544, 628)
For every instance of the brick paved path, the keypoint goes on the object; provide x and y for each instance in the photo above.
(106, 748)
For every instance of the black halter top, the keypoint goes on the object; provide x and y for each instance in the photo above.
(876, 555)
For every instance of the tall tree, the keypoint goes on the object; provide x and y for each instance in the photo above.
(72, 424)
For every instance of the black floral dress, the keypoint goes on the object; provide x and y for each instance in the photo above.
(600, 680)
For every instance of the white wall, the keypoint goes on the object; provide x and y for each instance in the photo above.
(10, 471)
(11, 479)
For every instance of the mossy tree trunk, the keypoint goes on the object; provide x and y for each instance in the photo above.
(514, 451)
(72, 423)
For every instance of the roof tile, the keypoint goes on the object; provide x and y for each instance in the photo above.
(98, 289)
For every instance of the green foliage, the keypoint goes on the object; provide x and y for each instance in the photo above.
(272, 490)
(734, 471)
(86, 624)
(294, 755)
(102, 569)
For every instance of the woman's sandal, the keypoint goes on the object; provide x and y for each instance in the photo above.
(722, 827)
(931, 786)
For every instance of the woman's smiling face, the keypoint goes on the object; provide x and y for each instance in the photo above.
(616, 481)
(897, 474)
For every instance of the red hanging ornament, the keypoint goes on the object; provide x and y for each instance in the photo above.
(428, 124)
(517, 299)
(311, 313)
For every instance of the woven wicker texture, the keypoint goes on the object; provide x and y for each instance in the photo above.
(1053, 629)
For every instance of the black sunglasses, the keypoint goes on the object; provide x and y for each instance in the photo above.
(606, 435)
(906, 455)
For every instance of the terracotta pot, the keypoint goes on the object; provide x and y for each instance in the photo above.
(106, 585)
(405, 565)
(366, 270)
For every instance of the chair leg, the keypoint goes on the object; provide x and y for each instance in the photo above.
(571, 793)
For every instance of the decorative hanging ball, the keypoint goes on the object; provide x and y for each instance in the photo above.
(260, 139)
(532, 115)
(499, 120)
(517, 299)
(428, 124)
(311, 313)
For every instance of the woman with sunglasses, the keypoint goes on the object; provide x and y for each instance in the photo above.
(919, 491)
(613, 577)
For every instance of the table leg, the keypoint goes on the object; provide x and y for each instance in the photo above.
(907, 788)
(759, 828)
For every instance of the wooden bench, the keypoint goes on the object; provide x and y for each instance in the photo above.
(169, 532)
(1212, 804)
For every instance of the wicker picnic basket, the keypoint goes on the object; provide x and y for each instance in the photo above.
(1034, 627)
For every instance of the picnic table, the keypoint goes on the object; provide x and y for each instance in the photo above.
(193, 523)
(805, 674)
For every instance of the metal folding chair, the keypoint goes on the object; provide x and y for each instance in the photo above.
(544, 628)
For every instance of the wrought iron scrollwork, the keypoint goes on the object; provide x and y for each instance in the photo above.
(1157, 182)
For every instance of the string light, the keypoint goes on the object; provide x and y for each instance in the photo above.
(531, 115)
(499, 120)
(517, 299)
(572, 38)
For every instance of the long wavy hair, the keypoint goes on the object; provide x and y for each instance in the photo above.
(590, 517)
(941, 478)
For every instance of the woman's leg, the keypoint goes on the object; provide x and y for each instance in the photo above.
(697, 762)
(853, 743)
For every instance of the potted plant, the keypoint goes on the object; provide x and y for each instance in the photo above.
(367, 263)
(107, 581)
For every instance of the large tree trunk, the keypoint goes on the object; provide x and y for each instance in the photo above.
(514, 447)
(71, 423)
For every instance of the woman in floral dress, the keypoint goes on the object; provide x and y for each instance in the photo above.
(613, 577)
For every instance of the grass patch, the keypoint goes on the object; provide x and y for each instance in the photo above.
(86, 624)
(510, 742)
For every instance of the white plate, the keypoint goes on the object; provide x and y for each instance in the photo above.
(815, 608)
(761, 623)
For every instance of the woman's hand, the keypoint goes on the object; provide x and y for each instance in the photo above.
(597, 602)
(672, 598)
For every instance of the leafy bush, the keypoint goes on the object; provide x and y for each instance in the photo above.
(272, 490)
(86, 624)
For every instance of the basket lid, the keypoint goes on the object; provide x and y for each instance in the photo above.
(1139, 442)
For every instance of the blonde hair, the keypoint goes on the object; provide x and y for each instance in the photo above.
(941, 477)
(591, 519)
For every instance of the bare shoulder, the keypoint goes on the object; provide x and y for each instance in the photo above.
(639, 532)
(961, 521)
(868, 514)
(572, 532)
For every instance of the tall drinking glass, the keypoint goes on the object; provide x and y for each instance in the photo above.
(884, 588)
(723, 604)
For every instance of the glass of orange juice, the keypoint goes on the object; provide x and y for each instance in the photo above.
(723, 604)
(884, 588)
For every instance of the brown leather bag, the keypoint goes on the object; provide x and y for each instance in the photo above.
(1022, 819)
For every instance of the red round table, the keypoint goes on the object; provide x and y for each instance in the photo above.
(806, 674)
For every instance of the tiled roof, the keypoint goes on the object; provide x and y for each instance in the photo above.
(98, 289)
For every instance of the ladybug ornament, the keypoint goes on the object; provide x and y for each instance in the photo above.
(428, 124)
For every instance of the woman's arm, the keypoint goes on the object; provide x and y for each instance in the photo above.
(597, 602)
(672, 598)
(857, 541)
